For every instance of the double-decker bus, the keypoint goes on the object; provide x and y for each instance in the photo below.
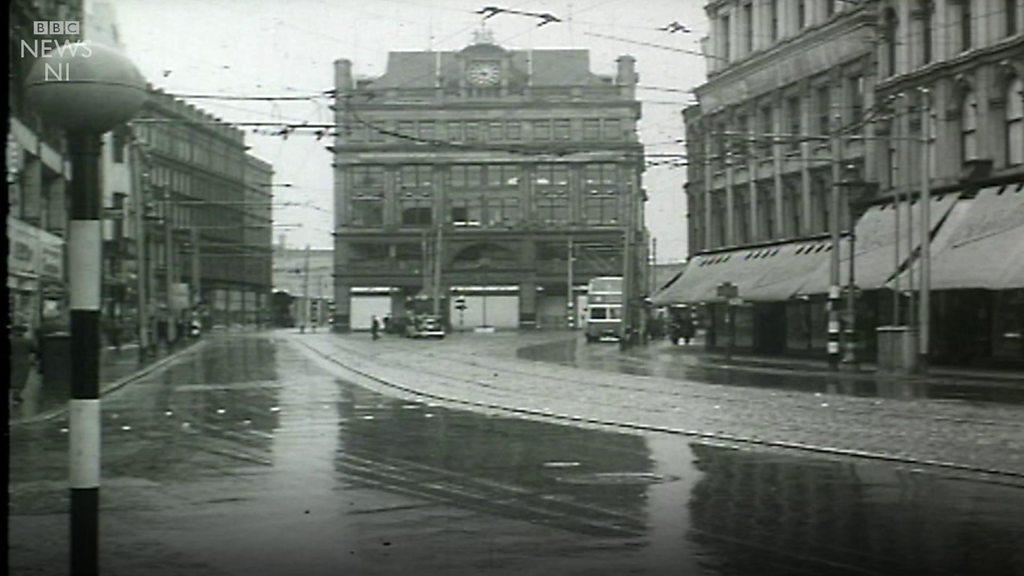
(604, 308)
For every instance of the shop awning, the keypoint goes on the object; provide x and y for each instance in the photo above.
(875, 246)
(760, 274)
(983, 246)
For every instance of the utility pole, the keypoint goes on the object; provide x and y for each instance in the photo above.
(196, 270)
(570, 301)
(911, 311)
(627, 274)
(169, 269)
(304, 309)
(142, 267)
(438, 255)
(924, 316)
(654, 266)
(834, 288)
(850, 348)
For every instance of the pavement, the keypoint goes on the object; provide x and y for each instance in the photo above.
(118, 367)
(698, 353)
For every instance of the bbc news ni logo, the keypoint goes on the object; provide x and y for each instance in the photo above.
(46, 48)
(56, 27)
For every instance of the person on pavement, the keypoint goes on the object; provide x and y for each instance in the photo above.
(375, 328)
(23, 352)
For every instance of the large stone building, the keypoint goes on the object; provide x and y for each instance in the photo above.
(795, 84)
(208, 203)
(490, 162)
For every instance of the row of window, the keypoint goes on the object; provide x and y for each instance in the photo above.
(754, 24)
(479, 211)
(545, 130)
(474, 176)
(189, 183)
(188, 147)
(413, 252)
(753, 131)
(920, 35)
(795, 220)
(743, 138)
(967, 125)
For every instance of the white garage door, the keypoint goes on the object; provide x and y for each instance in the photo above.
(364, 308)
(497, 311)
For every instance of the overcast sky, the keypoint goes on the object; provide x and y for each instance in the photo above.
(279, 47)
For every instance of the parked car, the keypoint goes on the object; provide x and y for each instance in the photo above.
(424, 327)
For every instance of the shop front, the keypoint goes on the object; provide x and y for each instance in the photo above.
(35, 278)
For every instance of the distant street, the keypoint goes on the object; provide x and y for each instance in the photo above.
(280, 453)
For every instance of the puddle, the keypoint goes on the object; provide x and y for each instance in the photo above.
(666, 362)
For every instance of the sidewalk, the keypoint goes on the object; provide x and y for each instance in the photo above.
(696, 352)
(117, 368)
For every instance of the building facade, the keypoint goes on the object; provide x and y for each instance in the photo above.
(207, 210)
(303, 281)
(38, 174)
(471, 173)
(809, 98)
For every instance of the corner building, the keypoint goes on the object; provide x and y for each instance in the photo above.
(901, 83)
(489, 163)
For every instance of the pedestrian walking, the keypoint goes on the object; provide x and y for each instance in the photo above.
(23, 360)
(375, 328)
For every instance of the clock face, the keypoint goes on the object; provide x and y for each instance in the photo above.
(484, 73)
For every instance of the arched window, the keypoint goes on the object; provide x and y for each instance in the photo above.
(891, 24)
(925, 8)
(969, 127)
(966, 16)
(1015, 122)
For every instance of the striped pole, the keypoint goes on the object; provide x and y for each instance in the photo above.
(85, 242)
(833, 288)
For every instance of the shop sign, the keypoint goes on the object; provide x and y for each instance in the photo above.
(51, 256)
(21, 254)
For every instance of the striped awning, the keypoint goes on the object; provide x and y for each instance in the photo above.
(761, 274)
(984, 246)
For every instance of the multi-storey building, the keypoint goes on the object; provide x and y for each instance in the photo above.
(209, 203)
(472, 172)
(38, 173)
(799, 91)
(960, 63)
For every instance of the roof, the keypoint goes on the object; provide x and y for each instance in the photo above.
(546, 67)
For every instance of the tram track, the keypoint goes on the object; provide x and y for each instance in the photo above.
(578, 419)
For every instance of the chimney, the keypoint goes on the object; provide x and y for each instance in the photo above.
(627, 71)
(626, 77)
(343, 75)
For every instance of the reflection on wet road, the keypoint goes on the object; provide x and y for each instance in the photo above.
(667, 361)
(245, 459)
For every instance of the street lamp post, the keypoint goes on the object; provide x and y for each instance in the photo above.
(99, 90)
(857, 194)
(833, 288)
